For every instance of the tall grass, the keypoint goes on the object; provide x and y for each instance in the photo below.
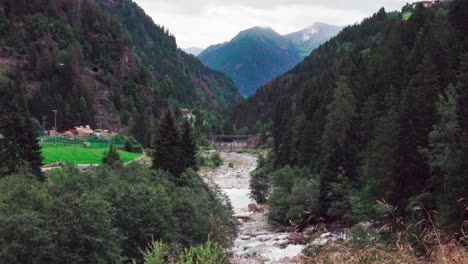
(210, 252)
(418, 242)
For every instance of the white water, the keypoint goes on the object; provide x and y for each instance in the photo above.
(257, 242)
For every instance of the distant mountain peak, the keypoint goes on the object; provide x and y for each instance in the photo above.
(312, 37)
(253, 57)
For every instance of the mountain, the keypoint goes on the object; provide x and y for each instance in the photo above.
(194, 51)
(312, 37)
(252, 58)
(102, 62)
(380, 107)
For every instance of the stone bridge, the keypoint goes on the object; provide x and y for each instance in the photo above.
(233, 143)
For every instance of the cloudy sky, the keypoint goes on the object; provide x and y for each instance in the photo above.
(200, 23)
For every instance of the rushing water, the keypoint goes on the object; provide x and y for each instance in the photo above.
(257, 242)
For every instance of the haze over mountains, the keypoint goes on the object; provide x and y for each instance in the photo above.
(312, 37)
(258, 55)
(195, 51)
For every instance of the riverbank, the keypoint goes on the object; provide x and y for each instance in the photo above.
(257, 241)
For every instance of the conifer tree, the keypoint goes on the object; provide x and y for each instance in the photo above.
(167, 152)
(188, 146)
(19, 146)
(112, 157)
(338, 123)
(447, 155)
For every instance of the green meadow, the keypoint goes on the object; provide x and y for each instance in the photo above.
(80, 155)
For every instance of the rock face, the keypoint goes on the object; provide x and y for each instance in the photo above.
(257, 242)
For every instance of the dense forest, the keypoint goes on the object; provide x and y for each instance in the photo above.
(112, 212)
(376, 117)
(103, 63)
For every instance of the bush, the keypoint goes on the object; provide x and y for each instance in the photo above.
(216, 160)
(294, 196)
(209, 252)
(259, 186)
(107, 214)
(132, 145)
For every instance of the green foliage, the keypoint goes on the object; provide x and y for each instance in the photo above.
(112, 157)
(362, 111)
(448, 159)
(107, 215)
(210, 252)
(295, 196)
(156, 253)
(19, 146)
(132, 145)
(216, 160)
(188, 146)
(259, 186)
(174, 147)
(167, 146)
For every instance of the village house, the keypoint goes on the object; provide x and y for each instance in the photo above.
(84, 131)
(430, 3)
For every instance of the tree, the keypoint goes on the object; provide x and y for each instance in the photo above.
(335, 135)
(19, 146)
(167, 152)
(188, 146)
(112, 157)
(447, 157)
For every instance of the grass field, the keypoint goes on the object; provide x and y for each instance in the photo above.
(80, 155)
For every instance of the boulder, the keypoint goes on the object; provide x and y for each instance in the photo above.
(296, 238)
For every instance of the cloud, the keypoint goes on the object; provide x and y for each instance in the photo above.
(200, 23)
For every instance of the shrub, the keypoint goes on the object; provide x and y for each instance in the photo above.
(132, 145)
(259, 186)
(107, 214)
(294, 196)
(216, 160)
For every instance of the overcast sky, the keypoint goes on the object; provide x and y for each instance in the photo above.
(201, 23)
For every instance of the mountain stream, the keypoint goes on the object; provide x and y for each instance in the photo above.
(257, 241)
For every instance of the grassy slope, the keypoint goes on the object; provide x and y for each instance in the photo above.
(80, 155)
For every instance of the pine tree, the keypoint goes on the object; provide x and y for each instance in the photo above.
(167, 152)
(340, 114)
(19, 146)
(447, 155)
(112, 157)
(188, 146)
(333, 144)
(417, 115)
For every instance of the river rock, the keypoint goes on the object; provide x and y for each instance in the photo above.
(296, 238)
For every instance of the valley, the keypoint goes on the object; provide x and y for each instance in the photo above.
(330, 144)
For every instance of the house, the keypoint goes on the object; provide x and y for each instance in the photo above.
(429, 3)
(85, 131)
(102, 133)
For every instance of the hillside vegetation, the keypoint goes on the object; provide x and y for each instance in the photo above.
(103, 63)
(376, 116)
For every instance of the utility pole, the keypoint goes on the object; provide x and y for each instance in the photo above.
(55, 126)
(43, 127)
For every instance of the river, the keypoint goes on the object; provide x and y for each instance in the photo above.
(257, 241)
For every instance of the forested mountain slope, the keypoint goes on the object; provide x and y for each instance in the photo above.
(252, 58)
(102, 63)
(377, 113)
